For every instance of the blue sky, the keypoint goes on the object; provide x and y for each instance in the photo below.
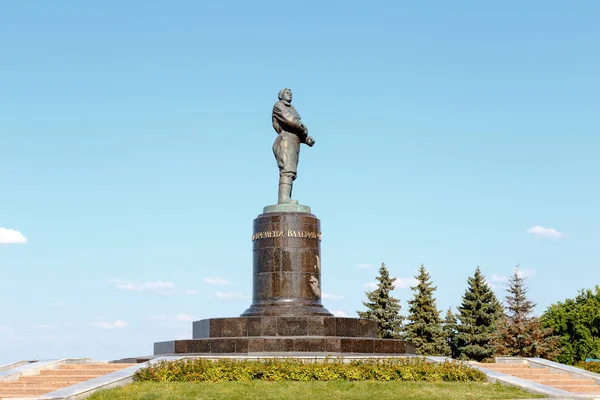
(135, 151)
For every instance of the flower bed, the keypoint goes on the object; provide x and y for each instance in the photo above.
(199, 370)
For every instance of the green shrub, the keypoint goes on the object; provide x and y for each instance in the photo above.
(407, 369)
(593, 366)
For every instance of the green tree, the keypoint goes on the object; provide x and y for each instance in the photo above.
(577, 322)
(382, 307)
(521, 334)
(450, 330)
(477, 318)
(424, 327)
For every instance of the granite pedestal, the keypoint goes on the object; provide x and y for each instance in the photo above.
(286, 265)
(286, 314)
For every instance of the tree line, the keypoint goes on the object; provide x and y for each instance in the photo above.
(482, 327)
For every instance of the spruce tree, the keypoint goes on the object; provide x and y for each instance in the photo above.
(424, 328)
(521, 334)
(477, 318)
(449, 327)
(382, 307)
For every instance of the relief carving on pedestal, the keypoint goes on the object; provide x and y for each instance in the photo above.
(314, 281)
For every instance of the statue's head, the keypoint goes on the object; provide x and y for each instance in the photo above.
(285, 94)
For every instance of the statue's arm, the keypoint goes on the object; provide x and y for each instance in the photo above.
(287, 118)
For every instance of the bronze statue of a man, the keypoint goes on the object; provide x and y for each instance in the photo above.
(291, 132)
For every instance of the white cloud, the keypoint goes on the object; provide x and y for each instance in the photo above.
(174, 321)
(176, 318)
(364, 266)
(164, 288)
(329, 296)
(217, 281)
(540, 231)
(11, 236)
(108, 325)
(58, 304)
(403, 283)
(526, 273)
(6, 329)
(159, 287)
(230, 295)
(523, 273)
(399, 283)
(339, 313)
(44, 326)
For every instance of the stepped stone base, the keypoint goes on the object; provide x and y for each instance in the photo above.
(271, 334)
(296, 344)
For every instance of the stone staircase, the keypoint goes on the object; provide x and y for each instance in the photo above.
(545, 376)
(50, 380)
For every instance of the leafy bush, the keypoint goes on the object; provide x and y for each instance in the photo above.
(577, 322)
(197, 370)
(593, 366)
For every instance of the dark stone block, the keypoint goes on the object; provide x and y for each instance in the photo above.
(333, 345)
(198, 346)
(291, 326)
(216, 327)
(241, 345)
(254, 326)
(367, 328)
(409, 348)
(329, 326)
(310, 263)
(346, 345)
(201, 329)
(278, 258)
(278, 345)
(278, 242)
(164, 347)
(274, 284)
(268, 326)
(362, 346)
(315, 326)
(346, 327)
(265, 260)
(223, 345)
(286, 261)
(234, 327)
(384, 346)
(256, 345)
(289, 285)
(265, 242)
(309, 345)
(256, 262)
(182, 346)
(263, 285)
(400, 346)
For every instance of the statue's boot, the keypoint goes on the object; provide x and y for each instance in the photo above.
(285, 191)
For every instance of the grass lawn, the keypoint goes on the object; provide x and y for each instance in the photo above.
(261, 390)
